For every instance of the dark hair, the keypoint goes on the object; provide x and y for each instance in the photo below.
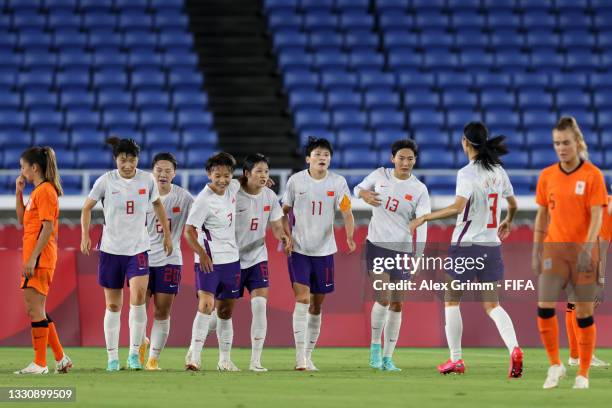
(314, 142)
(251, 160)
(44, 157)
(127, 146)
(488, 150)
(165, 156)
(404, 144)
(221, 159)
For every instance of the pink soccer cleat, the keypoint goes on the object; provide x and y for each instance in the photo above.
(516, 363)
(452, 367)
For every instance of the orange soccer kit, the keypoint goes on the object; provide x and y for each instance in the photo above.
(42, 206)
(569, 198)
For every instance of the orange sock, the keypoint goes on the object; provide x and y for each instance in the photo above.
(549, 334)
(586, 334)
(40, 334)
(570, 329)
(54, 341)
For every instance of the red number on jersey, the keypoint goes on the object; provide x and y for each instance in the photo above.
(160, 230)
(254, 224)
(493, 208)
(129, 207)
(314, 207)
(392, 204)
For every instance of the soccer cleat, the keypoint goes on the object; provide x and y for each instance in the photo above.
(257, 368)
(227, 365)
(375, 356)
(452, 367)
(133, 362)
(33, 368)
(572, 362)
(152, 365)
(555, 373)
(142, 351)
(191, 363)
(113, 365)
(387, 365)
(300, 362)
(581, 383)
(595, 362)
(62, 366)
(310, 366)
(516, 363)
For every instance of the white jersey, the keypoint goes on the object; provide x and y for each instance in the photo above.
(125, 203)
(177, 204)
(213, 217)
(402, 201)
(314, 204)
(252, 215)
(484, 189)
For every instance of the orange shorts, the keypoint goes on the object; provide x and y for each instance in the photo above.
(562, 258)
(40, 281)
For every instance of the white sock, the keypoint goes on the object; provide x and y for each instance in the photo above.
(259, 326)
(392, 330)
(454, 330)
(300, 319)
(225, 336)
(138, 324)
(377, 321)
(159, 336)
(312, 333)
(504, 327)
(198, 333)
(112, 326)
(212, 326)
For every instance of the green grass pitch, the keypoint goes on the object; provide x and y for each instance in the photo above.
(344, 380)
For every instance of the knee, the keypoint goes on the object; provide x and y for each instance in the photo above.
(224, 312)
(114, 307)
(138, 297)
(383, 302)
(206, 306)
(314, 308)
(162, 313)
(302, 298)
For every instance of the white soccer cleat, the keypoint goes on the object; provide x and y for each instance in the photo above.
(257, 368)
(555, 373)
(596, 362)
(300, 363)
(192, 363)
(227, 365)
(573, 362)
(33, 368)
(63, 366)
(581, 383)
(310, 366)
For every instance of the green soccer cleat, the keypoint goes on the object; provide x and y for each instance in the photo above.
(375, 356)
(133, 362)
(113, 365)
(387, 365)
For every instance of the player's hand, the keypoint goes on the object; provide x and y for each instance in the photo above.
(585, 262)
(370, 197)
(351, 245)
(287, 245)
(19, 184)
(28, 268)
(85, 244)
(168, 245)
(536, 260)
(504, 229)
(416, 223)
(270, 183)
(206, 263)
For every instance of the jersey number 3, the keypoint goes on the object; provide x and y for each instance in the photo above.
(493, 208)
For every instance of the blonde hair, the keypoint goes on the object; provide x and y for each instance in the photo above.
(570, 123)
(45, 158)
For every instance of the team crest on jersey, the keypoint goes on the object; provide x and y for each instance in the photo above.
(580, 186)
(330, 193)
(176, 209)
(266, 208)
(142, 191)
(408, 197)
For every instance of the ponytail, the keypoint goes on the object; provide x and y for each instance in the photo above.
(46, 160)
(488, 151)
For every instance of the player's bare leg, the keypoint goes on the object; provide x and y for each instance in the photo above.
(300, 322)
(225, 334)
(259, 327)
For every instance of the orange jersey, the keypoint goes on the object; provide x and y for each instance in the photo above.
(42, 206)
(606, 223)
(569, 198)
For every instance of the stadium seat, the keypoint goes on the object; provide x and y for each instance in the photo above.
(516, 159)
(427, 140)
(384, 138)
(361, 158)
(196, 157)
(90, 138)
(93, 158)
(441, 184)
(435, 158)
(199, 137)
(351, 138)
(543, 157)
(343, 98)
(385, 118)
